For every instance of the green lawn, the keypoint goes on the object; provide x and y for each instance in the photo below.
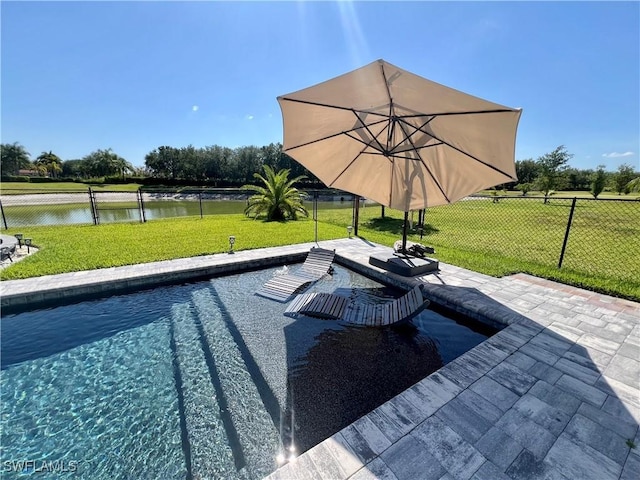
(564, 194)
(603, 252)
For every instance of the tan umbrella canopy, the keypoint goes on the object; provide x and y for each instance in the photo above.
(399, 139)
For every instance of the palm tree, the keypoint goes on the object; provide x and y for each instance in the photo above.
(278, 198)
(13, 157)
(50, 162)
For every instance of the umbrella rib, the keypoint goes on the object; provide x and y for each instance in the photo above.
(416, 129)
(378, 152)
(391, 128)
(373, 137)
(395, 152)
(345, 132)
(469, 112)
(348, 165)
(425, 165)
(336, 107)
(438, 114)
(470, 156)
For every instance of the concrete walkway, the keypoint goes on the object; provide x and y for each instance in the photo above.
(554, 395)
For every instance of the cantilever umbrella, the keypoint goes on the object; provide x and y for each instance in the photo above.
(399, 139)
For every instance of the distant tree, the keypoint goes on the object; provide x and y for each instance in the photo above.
(216, 162)
(278, 199)
(73, 168)
(102, 163)
(192, 165)
(50, 162)
(245, 162)
(578, 179)
(598, 181)
(525, 188)
(551, 166)
(13, 157)
(164, 162)
(622, 177)
(634, 185)
(526, 170)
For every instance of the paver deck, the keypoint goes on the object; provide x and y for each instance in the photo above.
(554, 395)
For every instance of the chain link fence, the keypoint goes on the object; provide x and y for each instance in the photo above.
(21, 209)
(581, 234)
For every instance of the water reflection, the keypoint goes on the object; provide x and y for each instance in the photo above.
(48, 214)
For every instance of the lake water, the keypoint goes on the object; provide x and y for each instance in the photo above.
(45, 213)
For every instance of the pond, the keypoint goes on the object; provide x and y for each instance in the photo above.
(45, 213)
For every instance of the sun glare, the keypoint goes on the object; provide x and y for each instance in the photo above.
(354, 38)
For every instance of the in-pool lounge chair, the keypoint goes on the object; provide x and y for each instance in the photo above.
(282, 287)
(338, 307)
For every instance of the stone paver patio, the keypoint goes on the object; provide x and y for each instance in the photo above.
(554, 395)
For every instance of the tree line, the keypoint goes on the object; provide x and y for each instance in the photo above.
(100, 163)
(223, 166)
(212, 165)
(551, 172)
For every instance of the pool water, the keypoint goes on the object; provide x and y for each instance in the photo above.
(200, 380)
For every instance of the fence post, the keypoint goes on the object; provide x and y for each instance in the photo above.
(356, 213)
(143, 218)
(200, 200)
(566, 234)
(315, 213)
(92, 205)
(4, 219)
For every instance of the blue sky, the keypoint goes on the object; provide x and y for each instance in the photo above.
(132, 76)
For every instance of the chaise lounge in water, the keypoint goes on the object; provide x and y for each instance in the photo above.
(282, 287)
(338, 307)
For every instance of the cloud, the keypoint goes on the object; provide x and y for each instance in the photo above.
(195, 108)
(249, 117)
(617, 155)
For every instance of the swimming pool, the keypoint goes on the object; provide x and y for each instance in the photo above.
(200, 380)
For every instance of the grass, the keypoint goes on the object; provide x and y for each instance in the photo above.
(563, 194)
(75, 248)
(21, 188)
(603, 252)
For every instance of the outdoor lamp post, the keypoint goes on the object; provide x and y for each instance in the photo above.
(19, 237)
(232, 240)
(27, 242)
(349, 228)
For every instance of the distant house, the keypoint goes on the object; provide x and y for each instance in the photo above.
(28, 173)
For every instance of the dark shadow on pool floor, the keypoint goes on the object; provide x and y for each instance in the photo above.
(349, 372)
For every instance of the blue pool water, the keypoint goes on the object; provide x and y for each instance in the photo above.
(200, 380)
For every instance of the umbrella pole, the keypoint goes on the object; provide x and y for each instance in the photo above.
(404, 233)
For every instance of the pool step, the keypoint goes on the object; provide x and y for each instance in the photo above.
(255, 428)
(210, 455)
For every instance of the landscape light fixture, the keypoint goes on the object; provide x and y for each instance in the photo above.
(232, 240)
(27, 242)
(19, 237)
(349, 228)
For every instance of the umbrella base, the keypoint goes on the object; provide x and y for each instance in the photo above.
(405, 265)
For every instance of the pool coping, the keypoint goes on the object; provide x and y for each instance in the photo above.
(526, 400)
